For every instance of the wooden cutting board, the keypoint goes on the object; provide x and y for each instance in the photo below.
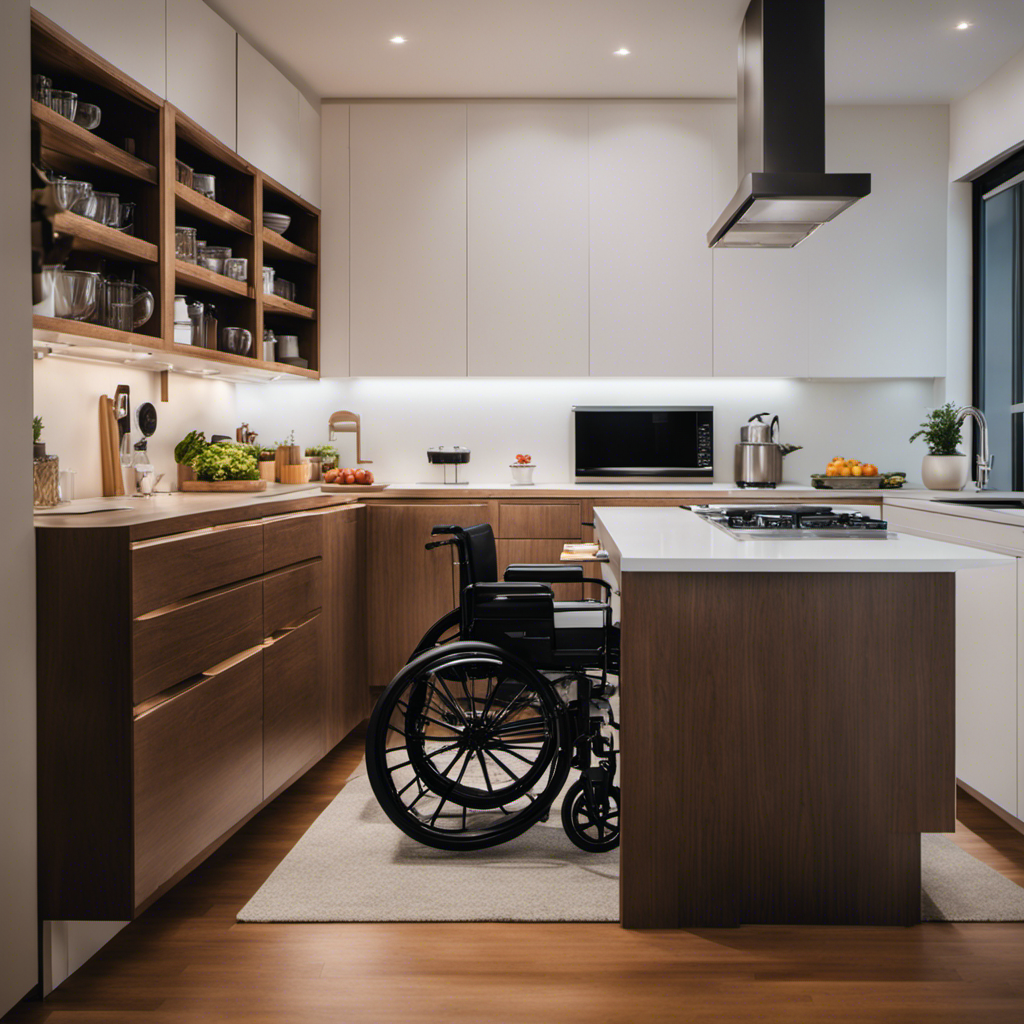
(110, 456)
(223, 485)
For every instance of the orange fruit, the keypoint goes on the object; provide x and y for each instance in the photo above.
(845, 471)
(857, 470)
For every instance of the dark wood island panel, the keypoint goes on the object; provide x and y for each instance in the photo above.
(786, 737)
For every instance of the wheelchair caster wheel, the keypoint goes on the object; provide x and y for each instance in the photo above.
(592, 832)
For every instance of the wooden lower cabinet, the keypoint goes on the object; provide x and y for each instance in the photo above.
(292, 705)
(198, 766)
(407, 587)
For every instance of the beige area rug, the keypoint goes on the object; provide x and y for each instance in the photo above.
(353, 864)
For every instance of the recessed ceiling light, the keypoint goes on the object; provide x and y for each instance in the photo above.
(398, 39)
(963, 26)
(621, 52)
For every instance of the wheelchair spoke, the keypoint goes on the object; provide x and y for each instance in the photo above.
(443, 750)
(509, 750)
(490, 754)
(483, 768)
(520, 725)
(394, 767)
(508, 707)
(451, 701)
(499, 678)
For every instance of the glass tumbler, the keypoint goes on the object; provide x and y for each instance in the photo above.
(185, 244)
(268, 280)
(42, 87)
(237, 268)
(64, 103)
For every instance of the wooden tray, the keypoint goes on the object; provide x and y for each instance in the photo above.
(846, 483)
(223, 485)
(352, 488)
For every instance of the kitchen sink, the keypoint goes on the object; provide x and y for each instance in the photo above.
(993, 503)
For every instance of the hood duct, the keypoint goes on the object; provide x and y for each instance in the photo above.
(784, 192)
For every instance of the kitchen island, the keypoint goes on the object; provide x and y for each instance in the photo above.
(787, 719)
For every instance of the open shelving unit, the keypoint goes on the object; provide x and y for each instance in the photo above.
(133, 152)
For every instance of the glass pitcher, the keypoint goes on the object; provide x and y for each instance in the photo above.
(125, 306)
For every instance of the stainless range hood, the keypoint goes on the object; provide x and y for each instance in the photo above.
(784, 192)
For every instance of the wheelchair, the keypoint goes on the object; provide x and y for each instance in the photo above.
(474, 739)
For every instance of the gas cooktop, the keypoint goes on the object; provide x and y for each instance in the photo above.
(795, 522)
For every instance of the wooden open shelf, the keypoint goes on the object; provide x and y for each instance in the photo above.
(63, 140)
(162, 134)
(275, 304)
(190, 274)
(91, 236)
(209, 210)
(277, 246)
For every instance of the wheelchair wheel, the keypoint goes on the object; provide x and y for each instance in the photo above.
(467, 748)
(592, 829)
(446, 630)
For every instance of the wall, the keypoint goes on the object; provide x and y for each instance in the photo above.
(18, 932)
(499, 418)
(67, 394)
(988, 123)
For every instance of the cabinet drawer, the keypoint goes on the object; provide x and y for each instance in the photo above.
(293, 704)
(198, 761)
(291, 539)
(172, 568)
(289, 596)
(979, 533)
(190, 637)
(521, 520)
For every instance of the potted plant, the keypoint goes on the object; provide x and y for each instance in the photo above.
(38, 447)
(185, 453)
(944, 468)
(522, 470)
(321, 458)
(266, 457)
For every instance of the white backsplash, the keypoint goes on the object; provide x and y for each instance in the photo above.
(496, 418)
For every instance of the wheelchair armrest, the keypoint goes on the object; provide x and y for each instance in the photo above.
(477, 591)
(558, 573)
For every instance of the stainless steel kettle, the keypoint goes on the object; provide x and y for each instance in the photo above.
(758, 461)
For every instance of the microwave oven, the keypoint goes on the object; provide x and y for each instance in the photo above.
(643, 443)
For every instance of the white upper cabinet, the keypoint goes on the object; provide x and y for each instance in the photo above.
(527, 222)
(268, 117)
(876, 276)
(334, 242)
(131, 36)
(309, 151)
(198, 38)
(408, 239)
(651, 204)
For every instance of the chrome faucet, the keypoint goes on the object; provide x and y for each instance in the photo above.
(984, 459)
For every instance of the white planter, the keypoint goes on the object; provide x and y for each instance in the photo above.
(522, 474)
(945, 472)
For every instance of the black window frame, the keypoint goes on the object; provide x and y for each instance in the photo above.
(998, 175)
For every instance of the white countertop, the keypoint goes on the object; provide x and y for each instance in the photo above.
(676, 540)
(965, 504)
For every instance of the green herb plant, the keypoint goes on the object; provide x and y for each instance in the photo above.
(941, 432)
(322, 451)
(186, 450)
(37, 428)
(226, 460)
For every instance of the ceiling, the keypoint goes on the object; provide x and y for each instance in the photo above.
(878, 51)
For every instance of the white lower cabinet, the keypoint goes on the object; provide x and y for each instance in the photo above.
(989, 653)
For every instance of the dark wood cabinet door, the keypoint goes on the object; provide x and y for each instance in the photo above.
(198, 761)
(290, 596)
(292, 705)
(291, 538)
(407, 587)
(343, 618)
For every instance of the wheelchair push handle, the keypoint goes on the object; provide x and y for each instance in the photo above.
(439, 544)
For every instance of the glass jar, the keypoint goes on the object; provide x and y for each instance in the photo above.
(185, 244)
(195, 314)
(268, 280)
(45, 481)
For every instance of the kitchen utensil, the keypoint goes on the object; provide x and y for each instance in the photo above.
(110, 460)
(108, 208)
(87, 116)
(268, 280)
(296, 474)
(205, 184)
(196, 311)
(46, 288)
(42, 87)
(237, 268)
(185, 243)
(182, 323)
(269, 346)
(210, 326)
(287, 346)
(64, 103)
(125, 305)
(278, 222)
(454, 457)
(76, 293)
(183, 172)
(345, 422)
(756, 431)
(236, 340)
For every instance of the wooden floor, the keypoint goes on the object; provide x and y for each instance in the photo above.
(187, 960)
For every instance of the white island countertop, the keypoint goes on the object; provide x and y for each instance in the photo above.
(676, 540)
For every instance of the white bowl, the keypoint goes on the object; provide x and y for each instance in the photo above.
(278, 222)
